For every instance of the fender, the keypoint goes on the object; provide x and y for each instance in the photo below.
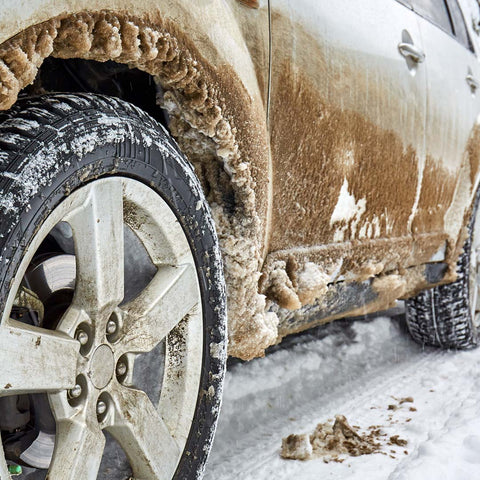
(210, 59)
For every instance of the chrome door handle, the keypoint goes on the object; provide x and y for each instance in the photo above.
(472, 82)
(408, 50)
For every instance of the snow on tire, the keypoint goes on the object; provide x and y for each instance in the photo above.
(100, 210)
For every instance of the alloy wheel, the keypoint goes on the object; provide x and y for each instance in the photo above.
(86, 361)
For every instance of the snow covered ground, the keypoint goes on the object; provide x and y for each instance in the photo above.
(356, 369)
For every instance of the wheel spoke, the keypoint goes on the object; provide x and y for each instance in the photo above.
(149, 318)
(78, 450)
(143, 435)
(71, 319)
(44, 360)
(97, 227)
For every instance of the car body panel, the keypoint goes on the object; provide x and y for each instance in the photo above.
(432, 190)
(353, 136)
(359, 119)
(451, 129)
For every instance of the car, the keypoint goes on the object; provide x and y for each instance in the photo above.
(164, 164)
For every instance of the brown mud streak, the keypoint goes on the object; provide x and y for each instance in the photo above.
(344, 134)
(469, 175)
(318, 146)
(473, 154)
(211, 119)
(312, 151)
(438, 188)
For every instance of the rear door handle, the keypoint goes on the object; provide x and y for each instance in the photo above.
(472, 82)
(408, 50)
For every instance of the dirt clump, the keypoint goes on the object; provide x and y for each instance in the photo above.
(401, 401)
(332, 442)
(396, 440)
(297, 447)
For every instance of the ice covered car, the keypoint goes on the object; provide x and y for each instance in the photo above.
(296, 160)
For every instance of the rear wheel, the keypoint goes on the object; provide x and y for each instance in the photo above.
(112, 336)
(448, 316)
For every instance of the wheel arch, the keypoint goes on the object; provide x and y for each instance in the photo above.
(214, 101)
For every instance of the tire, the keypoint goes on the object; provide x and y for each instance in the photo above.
(446, 316)
(95, 191)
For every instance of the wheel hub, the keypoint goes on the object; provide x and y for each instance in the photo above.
(102, 366)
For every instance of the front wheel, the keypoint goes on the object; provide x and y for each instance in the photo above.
(113, 333)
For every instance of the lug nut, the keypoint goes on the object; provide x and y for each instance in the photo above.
(121, 369)
(111, 327)
(82, 337)
(101, 407)
(76, 391)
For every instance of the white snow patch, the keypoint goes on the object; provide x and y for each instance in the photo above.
(370, 229)
(347, 210)
(346, 206)
(22, 123)
(218, 350)
(311, 276)
(293, 389)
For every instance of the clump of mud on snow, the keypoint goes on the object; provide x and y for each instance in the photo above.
(330, 442)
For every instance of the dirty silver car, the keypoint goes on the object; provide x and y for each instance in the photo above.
(296, 160)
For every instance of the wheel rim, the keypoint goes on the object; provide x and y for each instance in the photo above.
(87, 364)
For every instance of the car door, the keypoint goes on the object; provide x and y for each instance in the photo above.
(453, 104)
(347, 118)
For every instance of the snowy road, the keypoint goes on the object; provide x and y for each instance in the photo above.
(356, 370)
